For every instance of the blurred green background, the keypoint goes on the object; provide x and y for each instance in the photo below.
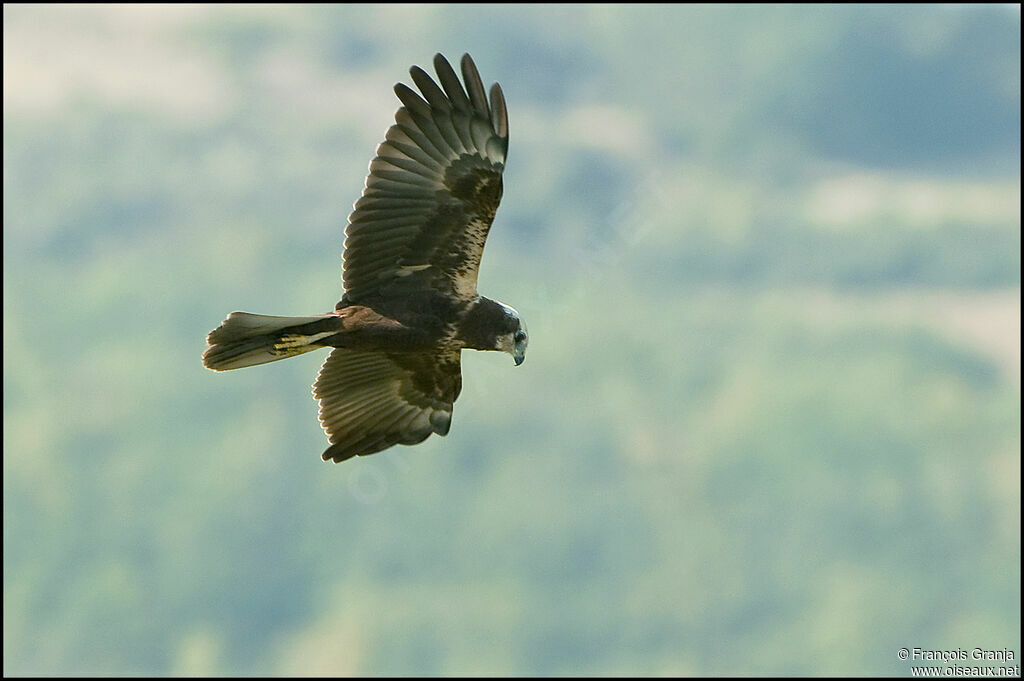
(769, 422)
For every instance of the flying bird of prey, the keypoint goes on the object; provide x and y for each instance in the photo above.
(412, 252)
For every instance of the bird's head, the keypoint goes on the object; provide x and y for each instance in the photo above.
(515, 340)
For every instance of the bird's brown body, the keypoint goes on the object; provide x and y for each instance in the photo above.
(412, 253)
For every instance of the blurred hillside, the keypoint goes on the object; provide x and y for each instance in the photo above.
(769, 421)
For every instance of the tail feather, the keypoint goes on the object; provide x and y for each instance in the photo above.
(245, 339)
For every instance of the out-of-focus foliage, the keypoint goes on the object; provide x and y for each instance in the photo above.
(769, 421)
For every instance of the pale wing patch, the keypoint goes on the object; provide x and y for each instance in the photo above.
(406, 270)
(465, 278)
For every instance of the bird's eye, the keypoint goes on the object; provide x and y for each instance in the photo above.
(520, 336)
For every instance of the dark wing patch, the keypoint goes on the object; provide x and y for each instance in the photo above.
(370, 400)
(432, 191)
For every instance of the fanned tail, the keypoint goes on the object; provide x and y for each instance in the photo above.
(245, 340)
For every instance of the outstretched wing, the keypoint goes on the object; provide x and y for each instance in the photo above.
(371, 400)
(432, 191)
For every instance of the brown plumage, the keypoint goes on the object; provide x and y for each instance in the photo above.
(412, 253)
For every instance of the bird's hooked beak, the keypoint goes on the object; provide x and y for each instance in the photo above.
(519, 347)
(515, 343)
